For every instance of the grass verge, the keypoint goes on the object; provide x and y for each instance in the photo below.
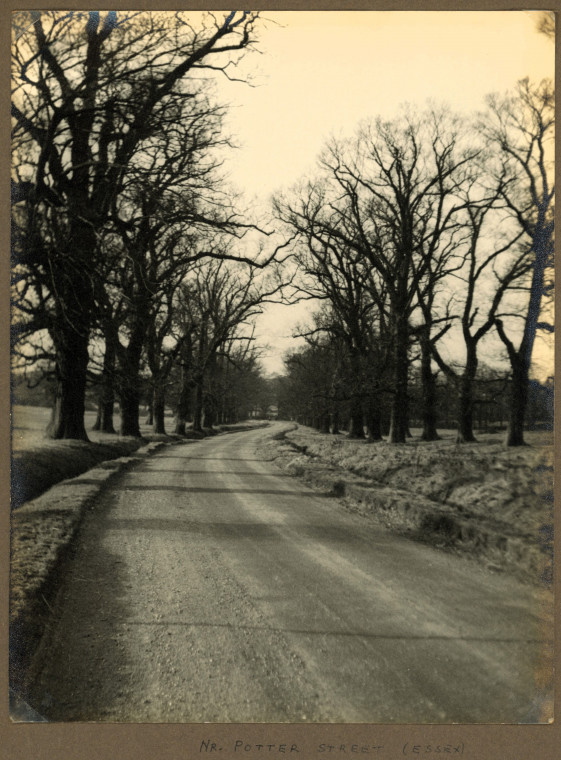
(484, 500)
(42, 534)
(37, 469)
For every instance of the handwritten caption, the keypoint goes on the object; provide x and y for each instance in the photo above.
(241, 747)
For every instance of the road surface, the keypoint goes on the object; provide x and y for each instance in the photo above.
(208, 586)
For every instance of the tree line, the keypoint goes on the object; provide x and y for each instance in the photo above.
(128, 248)
(130, 264)
(418, 234)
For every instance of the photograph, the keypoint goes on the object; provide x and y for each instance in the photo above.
(282, 373)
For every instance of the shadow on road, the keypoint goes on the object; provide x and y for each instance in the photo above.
(199, 489)
(390, 636)
(237, 530)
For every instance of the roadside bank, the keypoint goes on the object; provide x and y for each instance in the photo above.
(484, 500)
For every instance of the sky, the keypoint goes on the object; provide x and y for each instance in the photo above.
(319, 73)
(322, 72)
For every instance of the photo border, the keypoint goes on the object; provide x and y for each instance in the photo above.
(127, 741)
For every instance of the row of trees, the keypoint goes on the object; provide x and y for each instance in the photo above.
(418, 234)
(128, 247)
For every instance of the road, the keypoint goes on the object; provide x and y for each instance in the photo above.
(208, 586)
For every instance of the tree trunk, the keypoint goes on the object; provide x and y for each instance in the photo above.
(130, 407)
(518, 403)
(104, 419)
(106, 403)
(180, 426)
(67, 418)
(428, 384)
(75, 307)
(520, 363)
(386, 424)
(210, 408)
(183, 410)
(209, 411)
(399, 409)
(465, 419)
(324, 425)
(129, 381)
(374, 421)
(97, 423)
(520, 360)
(335, 421)
(356, 424)
(150, 412)
(198, 406)
(465, 401)
(159, 406)
(129, 402)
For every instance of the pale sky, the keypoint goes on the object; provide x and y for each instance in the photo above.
(322, 72)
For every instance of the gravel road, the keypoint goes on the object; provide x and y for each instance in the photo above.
(208, 586)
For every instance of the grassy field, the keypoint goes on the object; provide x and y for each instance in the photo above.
(29, 424)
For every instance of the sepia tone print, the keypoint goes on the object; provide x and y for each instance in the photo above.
(282, 368)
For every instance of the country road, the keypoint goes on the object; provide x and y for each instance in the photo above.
(208, 586)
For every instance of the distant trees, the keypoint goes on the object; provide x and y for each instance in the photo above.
(331, 271)
(311, 391)
(214, 327)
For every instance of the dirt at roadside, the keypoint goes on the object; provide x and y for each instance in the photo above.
(492, 502)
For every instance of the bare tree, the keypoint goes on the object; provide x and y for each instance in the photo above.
(172, 212)
(330, 270)
(391, 202)
(486, 275)
(313, 373)
(545, 24)
(520, 128)
(217, 307)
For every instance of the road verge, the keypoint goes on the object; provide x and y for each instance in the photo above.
(42, 533)
(478, 502)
